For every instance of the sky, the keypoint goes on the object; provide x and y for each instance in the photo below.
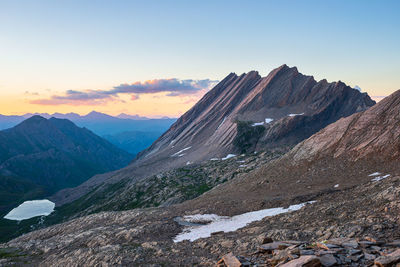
(157, 58)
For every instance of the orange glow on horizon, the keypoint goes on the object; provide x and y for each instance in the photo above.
(146, 105)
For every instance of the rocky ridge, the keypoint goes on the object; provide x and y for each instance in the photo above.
(290, 105)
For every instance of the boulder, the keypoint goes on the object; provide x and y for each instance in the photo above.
(272, 246)
(230, 260)
(328, 260)
(388, 260)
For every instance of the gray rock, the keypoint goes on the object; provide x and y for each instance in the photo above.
(328, 260)
(388, 260)
(303, 261)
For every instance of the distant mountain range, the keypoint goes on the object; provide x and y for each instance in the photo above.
(143, 131)
(100, 123)
(40, 156)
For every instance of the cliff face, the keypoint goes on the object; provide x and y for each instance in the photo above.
(291, 106)
(373, 133)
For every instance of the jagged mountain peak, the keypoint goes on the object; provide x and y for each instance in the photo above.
(294, 105)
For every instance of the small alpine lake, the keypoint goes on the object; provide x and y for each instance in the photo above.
(30, 209)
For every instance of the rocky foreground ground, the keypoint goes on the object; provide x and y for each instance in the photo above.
(332, 252)
(365, 216)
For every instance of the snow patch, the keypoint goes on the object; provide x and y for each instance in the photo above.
(375, 174)
(188, 163)
(242, 166)
(294, 114)
(30, 209)
(378, 178)
(179, 153)
(358, 88)
(221, 123)
(214, 159)
(257, 124)
(336, 186)
(227, 224)
(229, 156)
(267, 120)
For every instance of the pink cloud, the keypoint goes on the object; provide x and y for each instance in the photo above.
(173, 87)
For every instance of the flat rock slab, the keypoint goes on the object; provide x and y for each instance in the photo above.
(388, 260)
(274, 245)
(327, 260)
(230, 260)
(304, 261)
(395, 243)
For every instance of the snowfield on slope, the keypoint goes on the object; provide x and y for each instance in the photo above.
(267, 120)
(375, 174)
(378, 178)
(229, 156)
(221, 123)
(227, 224)
(294, 114)
(179, 153)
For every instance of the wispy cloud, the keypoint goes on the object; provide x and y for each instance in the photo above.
(134, 97)
(173, 87)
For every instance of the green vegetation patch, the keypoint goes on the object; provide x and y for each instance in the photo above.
(247, 136)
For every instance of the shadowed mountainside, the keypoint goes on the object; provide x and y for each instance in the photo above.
(40, 156)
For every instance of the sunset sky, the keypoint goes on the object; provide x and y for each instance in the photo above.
(157, 58)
